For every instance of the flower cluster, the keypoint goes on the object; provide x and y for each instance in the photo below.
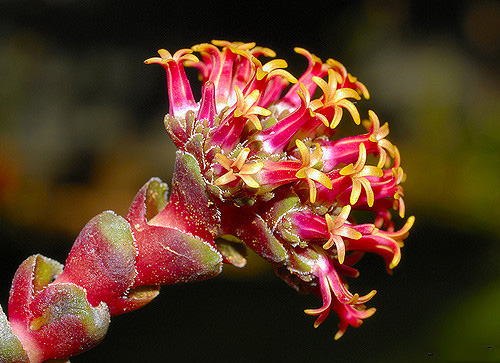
(261, 164)
(284, 182)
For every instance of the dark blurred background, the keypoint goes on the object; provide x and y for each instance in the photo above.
(81, 131)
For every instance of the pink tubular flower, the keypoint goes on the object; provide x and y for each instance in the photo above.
(259, 165)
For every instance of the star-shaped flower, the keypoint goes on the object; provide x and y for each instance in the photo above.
(358, 172)
(246, 107)
(308, 170)
(238, 168)
(336, 98)
(378, 136)
(337, 228)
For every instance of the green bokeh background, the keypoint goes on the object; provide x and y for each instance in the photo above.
(81, 131)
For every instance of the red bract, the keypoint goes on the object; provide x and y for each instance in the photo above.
(259, 165)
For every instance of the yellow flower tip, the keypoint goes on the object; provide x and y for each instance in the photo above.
(224, 161)
(336, 64)
(399, 205)
(310, 311)
(261, 111)
(203, 47)
(303, 93)
(166, 57)
(337, 116)
(369, 312)
(355, 234)
(329, 221)
(304, 152)
(321, 117)
(320, 82)
(347, 170)
(367, 297)
(352, 110)
(266, 52)
(289, 77)
(236, 45)
(356, 191)
(364, 90)
(241, 158)
(410, 221)
(320, 177)
(220, 43)
(354, 299)
(328, 244)
(151, 60)
(341, 258)
(312, 191)
(164, 54)
(344, 213)
(373, 117)
(395, 262)
(339, 335)
(260, 74)
(399, 235)
(252, 168)
(225, 179)
(274, 64)
(248, 180)
(300, 50)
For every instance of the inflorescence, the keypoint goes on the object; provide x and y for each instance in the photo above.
(261, 163)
